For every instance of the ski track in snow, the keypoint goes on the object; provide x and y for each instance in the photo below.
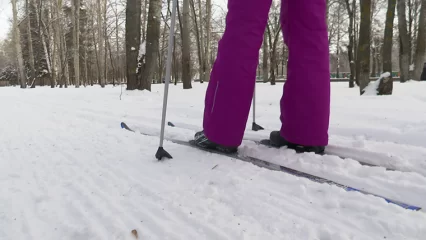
(67, 170)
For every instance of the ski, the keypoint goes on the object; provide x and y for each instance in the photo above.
(363, 157)
(277, 167)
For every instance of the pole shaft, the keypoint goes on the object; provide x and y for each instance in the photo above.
(168, 70)
(254, 104)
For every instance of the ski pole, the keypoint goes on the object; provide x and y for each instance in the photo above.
(161, 153)
(255, 126)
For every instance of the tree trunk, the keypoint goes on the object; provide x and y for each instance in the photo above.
(112, 62)
(144, 21)
(197, 35)
(265, 58)
(43, 41)
(17, 39)
(207, 61)
(101, 43)
(65, 61)
(410, 30)
(363, 66)
(356, 39)
(152, 44)
(373, 57)
(338, 42)
(58, 45)
(76, 40)
(117, 45)
(30, 45)
(351, 43)
(186, 50)
(273, 34)
(404, 41)
(133, 35)
(203, 56)
(105, 52)
(421, 43)
(388, 38)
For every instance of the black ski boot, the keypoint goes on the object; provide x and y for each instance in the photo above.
(278, 141)
(201, 141)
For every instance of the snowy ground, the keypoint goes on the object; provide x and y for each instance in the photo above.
(67, 170)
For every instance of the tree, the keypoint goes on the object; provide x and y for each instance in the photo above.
(363, 65)
(133, 35)
(30, 45)
(421, 43)
(76, 40)
(351, 45)
(387, 42)
(152, 44)
(101, 61)
(207, 64)
(186, 50)
(17, 39)
(404, 47)
(388, 37)
(265, 58)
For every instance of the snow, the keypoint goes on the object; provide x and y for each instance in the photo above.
(142, 49)
(371, 89)
(67, 170)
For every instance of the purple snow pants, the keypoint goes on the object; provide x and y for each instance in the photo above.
(305, 104)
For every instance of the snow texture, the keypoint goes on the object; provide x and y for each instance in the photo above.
(67, 170)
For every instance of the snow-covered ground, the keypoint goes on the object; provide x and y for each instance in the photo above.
(68, 171)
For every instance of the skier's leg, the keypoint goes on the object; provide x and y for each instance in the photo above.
(231, 86)
(305, 105)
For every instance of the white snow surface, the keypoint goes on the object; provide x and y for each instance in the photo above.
(68, 171)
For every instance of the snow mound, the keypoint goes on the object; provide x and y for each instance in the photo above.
(371, 89)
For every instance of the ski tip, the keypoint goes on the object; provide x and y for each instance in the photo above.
(161, 153)
(170, 124)
(124, 126)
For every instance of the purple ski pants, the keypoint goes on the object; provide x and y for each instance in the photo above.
(305, 103)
